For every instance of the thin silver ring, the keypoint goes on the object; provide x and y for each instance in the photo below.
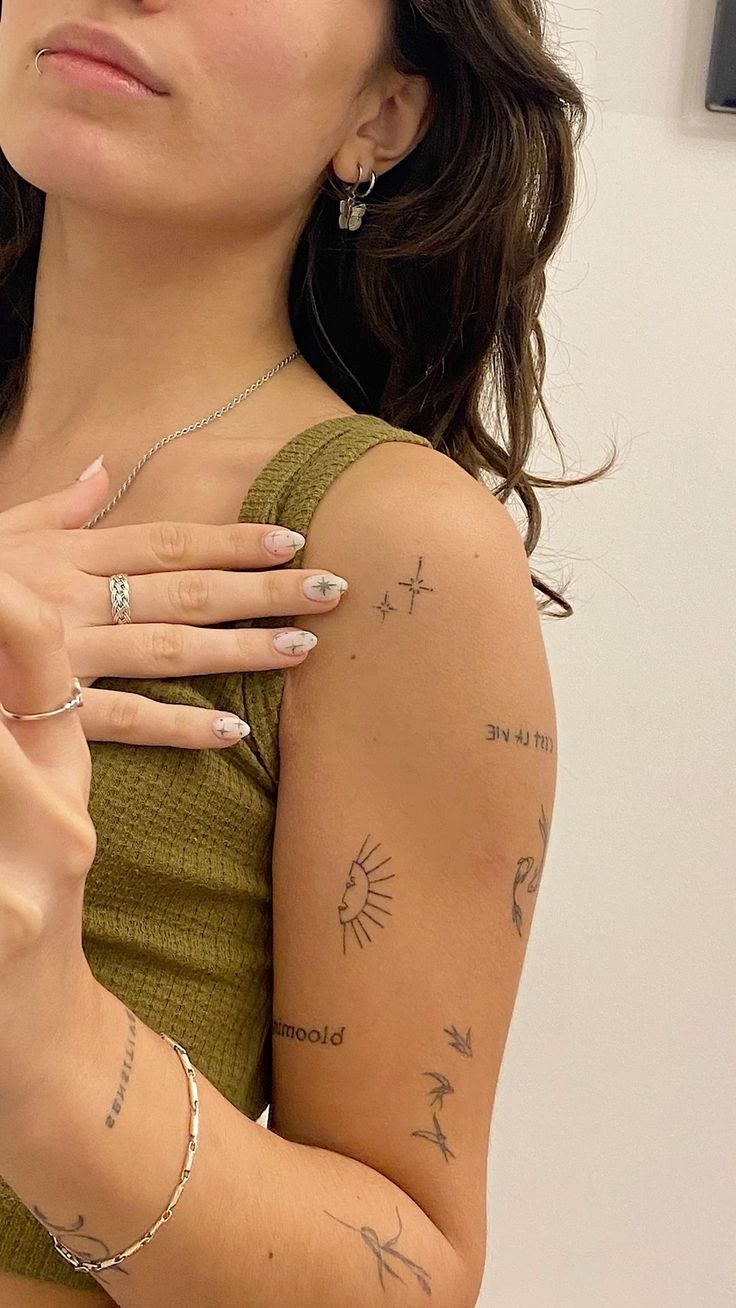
(120, 598)
(74, 701)
(38, 56)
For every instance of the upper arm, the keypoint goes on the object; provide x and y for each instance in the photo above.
(417, 781)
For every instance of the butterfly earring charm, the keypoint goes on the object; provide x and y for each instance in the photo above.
(352, 210)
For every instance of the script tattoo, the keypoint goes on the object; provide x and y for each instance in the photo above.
(415, 586)
(359, 897)
(92, 1249)
(382, 1253)
(524, 867)
(538, 740)
(117, 1102)
(308, 1035)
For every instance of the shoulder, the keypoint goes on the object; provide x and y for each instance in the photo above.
(400, 485)
(428, 552)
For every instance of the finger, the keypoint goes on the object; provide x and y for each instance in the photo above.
(35, 673)
(202, 598)
(69, 507)
(135, 720)
(174, 546)
(155, 650)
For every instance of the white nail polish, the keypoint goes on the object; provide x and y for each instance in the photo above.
(230, 728)
(91, 470)
(324, 586)
(283, 541)
(294, 642)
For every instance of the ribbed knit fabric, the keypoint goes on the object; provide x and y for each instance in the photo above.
(177, 911)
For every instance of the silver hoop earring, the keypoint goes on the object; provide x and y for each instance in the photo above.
(38, 56)
(352, 210)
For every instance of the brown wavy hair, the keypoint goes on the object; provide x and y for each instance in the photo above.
(428, 316)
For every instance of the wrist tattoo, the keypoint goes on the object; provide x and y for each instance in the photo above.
(90, 1248)
(117, 1103)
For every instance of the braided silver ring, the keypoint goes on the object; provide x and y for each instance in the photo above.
(120, 598)
(74, 701)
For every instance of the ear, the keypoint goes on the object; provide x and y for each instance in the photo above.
(401, 120)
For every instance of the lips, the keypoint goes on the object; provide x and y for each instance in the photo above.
(106, 47)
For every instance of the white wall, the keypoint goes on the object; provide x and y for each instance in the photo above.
(612, 1170)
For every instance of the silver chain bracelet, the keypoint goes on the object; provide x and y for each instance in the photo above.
(100, 1266)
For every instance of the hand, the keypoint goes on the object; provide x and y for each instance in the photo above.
(47, 839)
(43, 545)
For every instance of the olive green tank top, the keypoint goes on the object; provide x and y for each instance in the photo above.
(177, 910)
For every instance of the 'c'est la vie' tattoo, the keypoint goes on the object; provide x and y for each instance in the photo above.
(538, 741)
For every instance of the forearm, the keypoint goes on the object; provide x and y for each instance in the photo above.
(261, 1223)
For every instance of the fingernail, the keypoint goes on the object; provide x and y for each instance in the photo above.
(325, 586)
(294, 641)
(231, 728)
(91, 470)
(283, 541)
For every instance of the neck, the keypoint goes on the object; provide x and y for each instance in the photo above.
(138, 332)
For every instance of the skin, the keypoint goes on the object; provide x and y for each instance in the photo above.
(197, 228)
(169, 232)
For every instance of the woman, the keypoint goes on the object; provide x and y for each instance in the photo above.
(340, 215)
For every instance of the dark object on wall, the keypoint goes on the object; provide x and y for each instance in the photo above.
(721, 93)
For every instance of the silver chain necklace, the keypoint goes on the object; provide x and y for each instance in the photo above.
(185, 432)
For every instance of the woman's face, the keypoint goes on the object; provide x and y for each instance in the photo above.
(263, 94)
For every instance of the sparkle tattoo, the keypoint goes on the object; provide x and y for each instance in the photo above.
(415, 585)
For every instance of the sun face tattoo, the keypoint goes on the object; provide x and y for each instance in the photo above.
(360, 900)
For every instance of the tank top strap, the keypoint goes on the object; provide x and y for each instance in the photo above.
(286, 492)
(291, 485)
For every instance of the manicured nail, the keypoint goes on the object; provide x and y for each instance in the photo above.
(91, 470)
(294, 641)
(283, 541)
(231, 728)
(325, 586)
